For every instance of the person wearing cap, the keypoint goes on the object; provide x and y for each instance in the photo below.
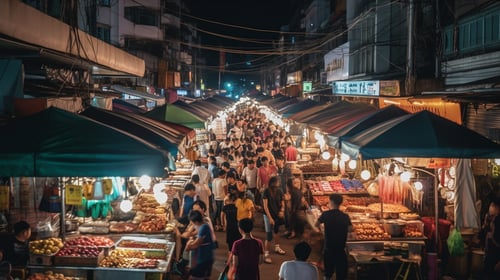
(14, 248)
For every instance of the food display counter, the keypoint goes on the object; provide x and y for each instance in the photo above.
(130, 257)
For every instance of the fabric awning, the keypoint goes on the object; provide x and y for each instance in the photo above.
(418, 135)
(160, 100)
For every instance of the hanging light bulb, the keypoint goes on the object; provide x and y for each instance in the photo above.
(126, 205)
(344, 157)
(365, 174)
(405, 176)
(157, 188)
(161, 197)
(418, 186)
(326, 155)
(145, 182)
(352, 164)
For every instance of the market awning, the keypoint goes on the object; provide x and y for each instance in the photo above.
(335, 112)
(292, 109)
(419, 135)
(56, 143)
(28, 30)
(145, 131)
(201, 113)
(120, 105)
(335, 136)
(175, 114)
(301, 115)
(160, 100)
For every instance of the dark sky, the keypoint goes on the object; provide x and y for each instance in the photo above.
(234, 18)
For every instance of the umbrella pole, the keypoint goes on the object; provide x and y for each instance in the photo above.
(63, 208)
(436, 211)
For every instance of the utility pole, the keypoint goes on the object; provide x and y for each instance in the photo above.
(410, 67)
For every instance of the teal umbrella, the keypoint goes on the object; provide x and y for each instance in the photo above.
(58, 143)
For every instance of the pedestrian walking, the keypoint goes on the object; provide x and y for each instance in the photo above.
(247, 253)
(336, 227)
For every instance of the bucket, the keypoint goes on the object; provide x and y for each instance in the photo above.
(432, 265)
(458, 266)
(477, 262)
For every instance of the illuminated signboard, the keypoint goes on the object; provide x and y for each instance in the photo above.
(307, 86)
(367, 88)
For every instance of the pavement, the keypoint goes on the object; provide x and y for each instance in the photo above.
(267, 271)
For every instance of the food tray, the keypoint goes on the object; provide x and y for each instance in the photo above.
(41, 259)
(78, 260)
(143, 243)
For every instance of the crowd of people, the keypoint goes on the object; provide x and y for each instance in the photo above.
(245, 176)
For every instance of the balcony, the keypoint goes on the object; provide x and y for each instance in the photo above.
(476, 34)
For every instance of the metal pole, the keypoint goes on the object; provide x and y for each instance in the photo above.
(63, 208)
(436, 211)
(409, 85)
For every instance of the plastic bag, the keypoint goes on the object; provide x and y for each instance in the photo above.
(455, 243)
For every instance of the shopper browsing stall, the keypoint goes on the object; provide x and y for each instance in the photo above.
(337, 224)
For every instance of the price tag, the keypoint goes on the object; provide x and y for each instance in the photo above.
(88, 191)
(74, 195)
(4, 198)
(107, 186)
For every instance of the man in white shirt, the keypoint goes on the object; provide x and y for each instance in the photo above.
(219, 189)
(299, 268)
(249, 173)
(202, 172)
(203, 192)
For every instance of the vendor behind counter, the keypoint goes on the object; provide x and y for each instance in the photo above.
(14, 248)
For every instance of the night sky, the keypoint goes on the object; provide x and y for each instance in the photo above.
(243, 24)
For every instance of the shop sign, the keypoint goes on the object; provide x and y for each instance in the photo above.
(4, 197)
(337, 63)
(74, 195)
(364, 88)
(438, 163)
(390, 88)
(307, 86)
(107, 186)
(438, 106)
(88, 191)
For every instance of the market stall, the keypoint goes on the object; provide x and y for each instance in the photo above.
(55, 143)
(424, 135)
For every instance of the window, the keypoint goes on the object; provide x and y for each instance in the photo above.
(105, 3)
(103, 33)
(141, 15)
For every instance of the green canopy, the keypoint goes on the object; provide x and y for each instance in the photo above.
(175, 114)
(418, 135)
(56, 143)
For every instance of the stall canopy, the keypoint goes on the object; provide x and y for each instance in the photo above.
(283, 103)
(337, 113)
(148, 132)
(55, 143)
(422, 134)
(175, 114)
(335, 136)
(292, 109)
(299, 116)
(220, 103)
(195, 109)
(120, 105)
